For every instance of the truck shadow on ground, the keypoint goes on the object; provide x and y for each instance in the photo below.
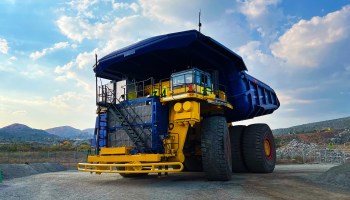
(172, 179)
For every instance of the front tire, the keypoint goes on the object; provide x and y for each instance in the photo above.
(259, 148)
(216, 149)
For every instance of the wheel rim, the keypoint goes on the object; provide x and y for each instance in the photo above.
(267, 148)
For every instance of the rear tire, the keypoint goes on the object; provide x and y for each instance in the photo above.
(259, 148)
(236, 138)
(216, 149)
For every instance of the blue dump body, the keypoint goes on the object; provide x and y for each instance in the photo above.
(249, 97)
(163, 55)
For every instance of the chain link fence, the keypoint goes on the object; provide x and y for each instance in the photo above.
(67, 158)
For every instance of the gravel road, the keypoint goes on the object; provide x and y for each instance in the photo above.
(287, 182)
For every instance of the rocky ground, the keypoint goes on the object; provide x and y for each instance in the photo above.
(326, 146)
(296, 148)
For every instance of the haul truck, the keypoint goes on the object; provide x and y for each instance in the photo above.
(166, 104)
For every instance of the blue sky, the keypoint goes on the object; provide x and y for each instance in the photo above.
(300, 48)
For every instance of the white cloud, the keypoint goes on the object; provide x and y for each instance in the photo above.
(134, 6)
(310, 43)
(256, 8)
(261, 63)
(287, 99)
(121, 5)
(33, 71)
(38, 54)
(5, 100)
(78, 29)
(85, 59)
(32, 74)
(66, 72)
(262, 15)
(66, 101)
(3, 46)
(6, 68)
(183, 14)
(74, 28)
(28, 109)
(82, 6)
(252, 54)
(64, 68)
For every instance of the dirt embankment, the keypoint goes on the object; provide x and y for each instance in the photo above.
(10, 171)
(339, 176)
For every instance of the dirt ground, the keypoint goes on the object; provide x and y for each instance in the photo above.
(287, 182)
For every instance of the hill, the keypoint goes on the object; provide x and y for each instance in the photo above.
(89, 131)
(70, 132)
(20, 133)
(341, 123)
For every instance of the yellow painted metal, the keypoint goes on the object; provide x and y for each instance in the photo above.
(180, 122)
(207, 91)
(267, 147)
(161, 89)
(132, 92)
(164, 86)
(178, 136)
(209, 98)
(135, 167)
(190, 113)
(101, 109)
(187, 106)
(178, 107)
(221, 95)
(115, 150)
(160, 167)
(220, 103)
(126, 158)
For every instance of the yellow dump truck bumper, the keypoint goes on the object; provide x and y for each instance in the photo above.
(161, 167)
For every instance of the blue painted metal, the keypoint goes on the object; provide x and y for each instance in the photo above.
(250, 97)
(101, 134)
(165, 53)
(160, 122)
(158, 125)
